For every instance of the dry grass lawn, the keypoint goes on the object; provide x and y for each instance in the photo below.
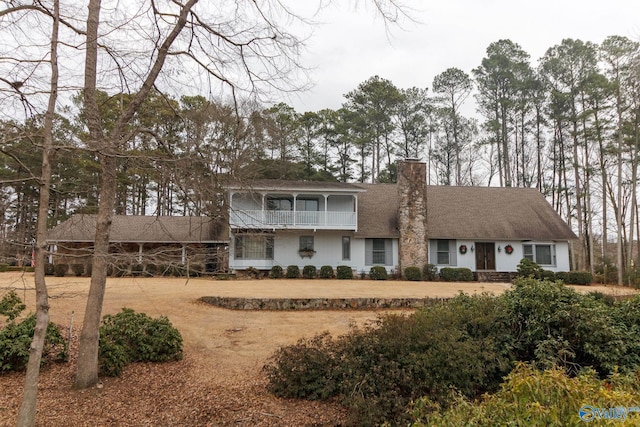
(220, 381)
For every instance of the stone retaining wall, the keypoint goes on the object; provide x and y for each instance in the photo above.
(318, 303)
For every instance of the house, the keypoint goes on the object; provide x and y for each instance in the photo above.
(144, 240)
(485, 229)
(281, 223)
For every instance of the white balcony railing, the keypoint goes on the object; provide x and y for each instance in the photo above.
(290, 219)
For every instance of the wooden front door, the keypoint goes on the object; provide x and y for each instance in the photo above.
(485, 256)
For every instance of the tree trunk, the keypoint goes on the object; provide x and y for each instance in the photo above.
(87, 365)
(27, 414)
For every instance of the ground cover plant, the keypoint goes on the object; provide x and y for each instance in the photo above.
(466, 345)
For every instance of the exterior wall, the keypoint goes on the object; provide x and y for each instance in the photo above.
(506, 262)
(328, 251)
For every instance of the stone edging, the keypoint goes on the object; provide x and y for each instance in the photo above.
(234, 303)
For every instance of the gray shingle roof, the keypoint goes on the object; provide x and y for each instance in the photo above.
(150, 229)
(490, 213)
(284, 185)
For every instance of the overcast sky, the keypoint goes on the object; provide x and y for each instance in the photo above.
(350, 44)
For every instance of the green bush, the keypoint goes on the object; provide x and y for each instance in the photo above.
(293, 272)
(563, 276)
(78, 269)
(553, 325)
(11, 305)
(135, 337)
(458, 274)
(16, 337)
(463, 347)
(276, 272)
(309, 272)
(4, 267)
(536, 398)
(326, 272)
(49, 269)
(344, 272)
(413, 274)
(580, 278)
(399, 359)
(378, 272)
(304, 370)
(59, 270)
(546, 275)
(429, 272)
(528, 268)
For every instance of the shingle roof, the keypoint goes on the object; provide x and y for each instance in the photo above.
(150, 229)
(284, 185)
(466, 213)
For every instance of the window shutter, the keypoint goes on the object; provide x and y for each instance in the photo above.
(368, 252)
(453, 252)
(433, 251)
(388, 258)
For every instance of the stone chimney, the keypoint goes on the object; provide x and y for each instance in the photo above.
(412, 214)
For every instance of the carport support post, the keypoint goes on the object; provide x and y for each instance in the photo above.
(140, 245)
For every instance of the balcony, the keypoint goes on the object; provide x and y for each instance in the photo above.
(298, 220)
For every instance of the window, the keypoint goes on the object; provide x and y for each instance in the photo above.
(279, 204)
(442, 250)
(306, 243)
(540, 254)
(253, 247)
(378, 252)
(346, 248)
(307, 205)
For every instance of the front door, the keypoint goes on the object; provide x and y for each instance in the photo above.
(485, 256)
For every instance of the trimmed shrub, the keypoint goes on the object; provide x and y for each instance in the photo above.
(344, 272)
(458, 274)
(580, 278)
(430, 272)
(378, 272)
(49, 269)
(413, 274)
(276, 272)
(135, 337)
(59, 270)
(309, 272)
(78, 269)
(326, 272)
(575, 277)
(293, 272)
(546, 275)
(4, 267)
(528, 268)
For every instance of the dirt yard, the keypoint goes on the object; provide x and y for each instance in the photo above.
(219, 382)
